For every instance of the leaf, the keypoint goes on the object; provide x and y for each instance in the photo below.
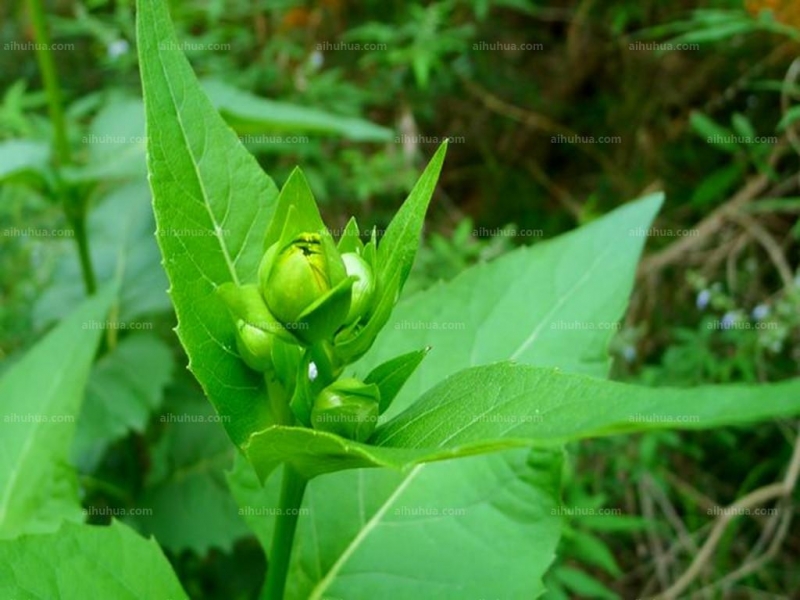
(714, 133)
(42, 394)
(505, 405)
(119, 399)
(114, 144)
(23, 159)
(190, 505)
(492, 514)
(583, 584)
(391, 375)
(83, 561)
(212, 204)
(121, 242)
(593, 551)
(466, 540)
(584, 276)
(249, 114)
(398, 247)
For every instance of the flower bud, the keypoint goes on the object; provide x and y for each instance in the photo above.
(254, 345)
(297, 278)
(348, 408)
(363, 290)
(306, 287)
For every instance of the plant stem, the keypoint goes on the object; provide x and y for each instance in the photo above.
(50, 80)
(73, 207)
(79, 226)
(293, 487)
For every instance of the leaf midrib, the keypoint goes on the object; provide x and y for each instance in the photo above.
(206, 201)
(330, 576)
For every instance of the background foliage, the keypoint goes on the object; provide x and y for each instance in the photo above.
(556, 116)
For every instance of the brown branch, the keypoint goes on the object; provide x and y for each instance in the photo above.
(743, 505)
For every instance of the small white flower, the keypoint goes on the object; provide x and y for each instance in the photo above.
(316, 59)
(703, 299)
(760, 312)
(117, 48)
(729, 319)
(312, 371)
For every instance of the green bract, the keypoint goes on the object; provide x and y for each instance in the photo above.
(363, 288)
(347, 407)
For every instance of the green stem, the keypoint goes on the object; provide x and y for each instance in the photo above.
(50, 80)
(73, 207)
(79, 226)
(293, 487)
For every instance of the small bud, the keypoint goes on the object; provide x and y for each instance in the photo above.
(348, 408)
(254, 345)
(363, 289)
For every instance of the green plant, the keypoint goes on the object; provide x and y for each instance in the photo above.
(345, 401)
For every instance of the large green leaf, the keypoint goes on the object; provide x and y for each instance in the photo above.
(436, 532)
(118, 398)
(41, 397)
(212, 204)
(251, 114)
(495, 407)
(508, 307)
(80, 562)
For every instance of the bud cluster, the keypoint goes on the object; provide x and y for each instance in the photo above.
(315, 308)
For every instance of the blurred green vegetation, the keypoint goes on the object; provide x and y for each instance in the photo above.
(556, 114)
